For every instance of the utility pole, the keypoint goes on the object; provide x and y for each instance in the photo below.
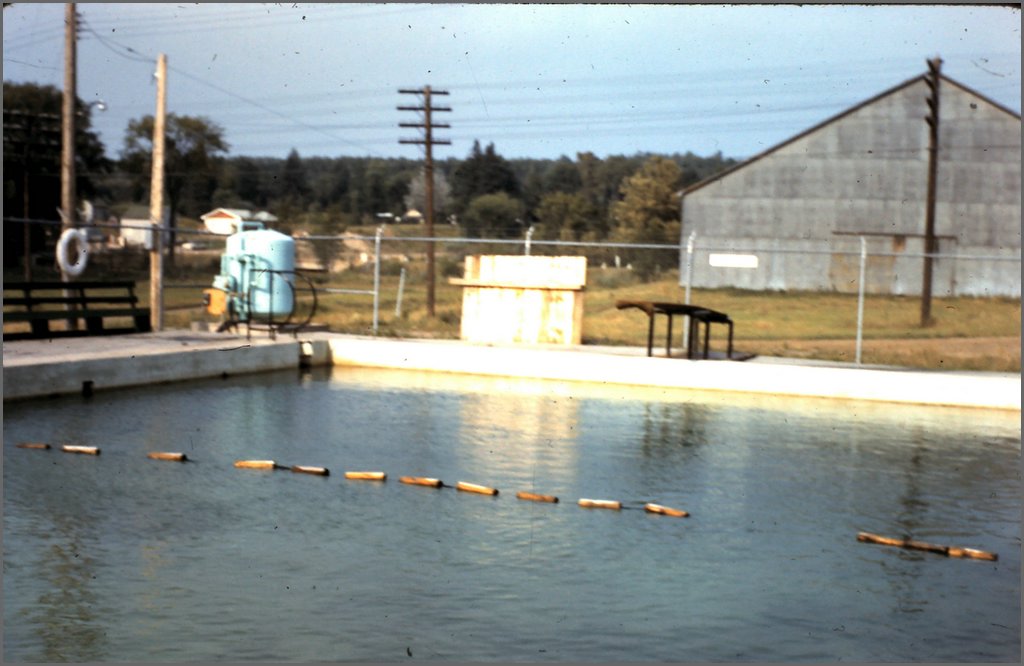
(67, 153)
(428, 141)
(932, 78)
(156, 201)
(68, 205)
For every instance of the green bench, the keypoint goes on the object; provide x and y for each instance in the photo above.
(39, 303)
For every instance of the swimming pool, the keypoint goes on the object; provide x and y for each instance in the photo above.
(118, 557)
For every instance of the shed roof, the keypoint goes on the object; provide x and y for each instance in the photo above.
(225, 221)
(840, 116)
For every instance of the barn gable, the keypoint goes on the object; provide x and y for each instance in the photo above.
(864, 172)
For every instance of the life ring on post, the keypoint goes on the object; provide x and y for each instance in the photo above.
(81, 256)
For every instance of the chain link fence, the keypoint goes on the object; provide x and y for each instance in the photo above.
(385, 268)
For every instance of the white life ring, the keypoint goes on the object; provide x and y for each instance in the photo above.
(69, 236)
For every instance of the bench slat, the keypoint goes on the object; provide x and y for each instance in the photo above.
(62, 300)
(84, 295)
(41, 286)
(78, 314)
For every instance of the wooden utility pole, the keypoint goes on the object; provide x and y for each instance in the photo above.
(68, 205)
(428, 141)
(156, 201)
(67, 152)
(932, 78)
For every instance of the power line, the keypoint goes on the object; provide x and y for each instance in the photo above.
(132, 54)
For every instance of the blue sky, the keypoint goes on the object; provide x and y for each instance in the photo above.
(536, 80)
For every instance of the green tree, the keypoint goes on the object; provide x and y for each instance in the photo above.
(193, 145)
(293, 179)
(649, 213)
(493, 216)
(565, 216)
(562, 176)
(483, 172)
(32, 137)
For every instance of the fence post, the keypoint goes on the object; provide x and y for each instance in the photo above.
(401, 288)
(376, 278)
(529, 237)
(860, 295)
(690, 241)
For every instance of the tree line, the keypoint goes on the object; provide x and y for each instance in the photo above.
(625, 198)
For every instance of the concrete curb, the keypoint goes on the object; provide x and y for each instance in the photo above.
(35, 369)
(983, 390)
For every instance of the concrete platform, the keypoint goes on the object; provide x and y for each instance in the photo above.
(42, 368)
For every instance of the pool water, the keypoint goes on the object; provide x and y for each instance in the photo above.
(119, 557)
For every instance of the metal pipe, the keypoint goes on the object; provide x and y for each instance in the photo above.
(860, 296)
(401, 290)
(690, 243)
(376, 278)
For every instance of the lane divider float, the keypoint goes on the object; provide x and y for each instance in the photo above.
(465, 486)
(258, 464)
(474, 488)
(534, 497)
(600, 504)
(87, 450)
(651, 507)
(305, 469)
(421, 481)
(949, 551)
(366, 476)
(167, 455)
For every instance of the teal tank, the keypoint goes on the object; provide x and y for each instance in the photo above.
(259, 266)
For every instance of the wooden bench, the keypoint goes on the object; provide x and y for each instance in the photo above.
(39, 303)
(696, 314)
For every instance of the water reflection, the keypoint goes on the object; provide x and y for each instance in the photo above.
(670, 429)
(66, 615)
(528, 442)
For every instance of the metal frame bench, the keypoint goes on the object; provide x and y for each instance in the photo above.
(39, 303)
(697, 315)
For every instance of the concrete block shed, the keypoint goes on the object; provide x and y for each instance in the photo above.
(802, 205)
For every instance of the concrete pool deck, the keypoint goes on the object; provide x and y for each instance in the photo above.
(40, 368)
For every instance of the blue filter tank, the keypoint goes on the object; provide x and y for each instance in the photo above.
(259, 266)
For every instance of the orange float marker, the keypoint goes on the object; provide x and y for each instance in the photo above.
(167, 455)
(474, 488)
(534, 497)
(600, 504)
(366, 476)
(421, 481)
(319, 471)
(650, 507)
(87, 450)
(949, 551)
(256, 464)
(33, 445)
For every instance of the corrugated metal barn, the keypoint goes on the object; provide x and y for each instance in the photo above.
(801, 206)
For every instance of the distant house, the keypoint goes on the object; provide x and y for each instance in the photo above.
(136, 227)
(802, 206)
(226, 221)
